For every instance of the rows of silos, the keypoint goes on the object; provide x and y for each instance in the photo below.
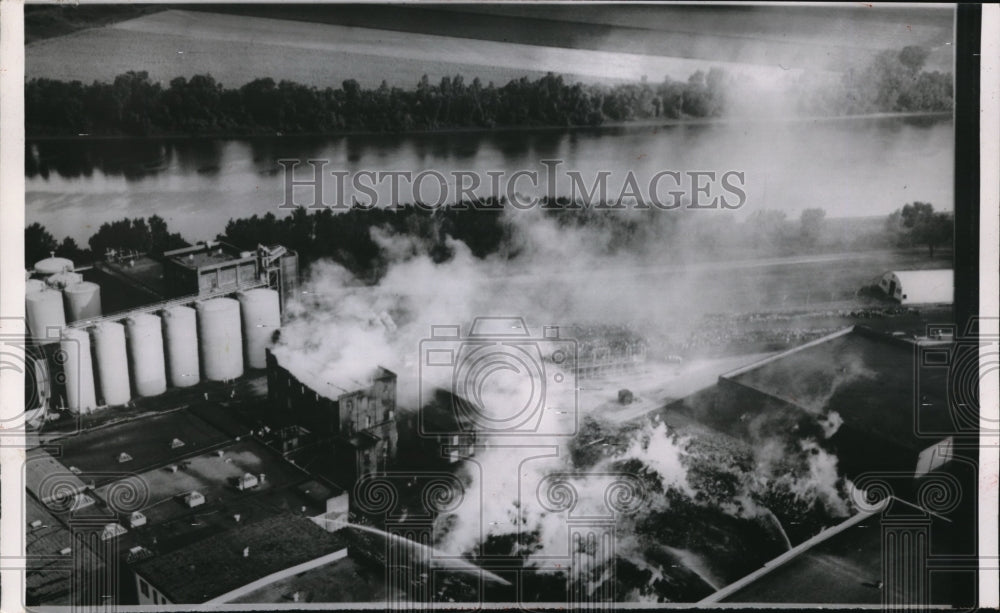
(145, 353)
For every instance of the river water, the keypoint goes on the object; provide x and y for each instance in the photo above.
(850, 167)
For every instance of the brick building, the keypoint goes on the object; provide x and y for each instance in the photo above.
(358, 418)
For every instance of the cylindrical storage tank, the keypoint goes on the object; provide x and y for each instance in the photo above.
(220, 339)
(112, 362)
(34, 285)
(261, 313)
(61, 280)
(44, 309)
(83, 301)
(145, 354)
(180, 334)
(51, 266)
(78, 371)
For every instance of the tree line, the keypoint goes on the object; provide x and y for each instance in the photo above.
(351, 238)
(134, 105)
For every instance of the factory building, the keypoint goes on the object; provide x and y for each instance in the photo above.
(148, 493)
(202, 313)
(856, 389)
(919, 286)
(445, 432)
(225, 567)
(871, 559)
(357, 417)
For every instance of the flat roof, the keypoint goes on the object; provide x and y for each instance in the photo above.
(214, 477)
(49, 479)
(199, 256)
(147, 439)
(841, 565)
(213, 567)
(143, 272)
(870, 379)
(49, 573)
(322, 381)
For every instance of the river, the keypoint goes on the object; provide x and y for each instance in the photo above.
(851, 167)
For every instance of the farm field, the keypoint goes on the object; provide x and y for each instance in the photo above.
(237, 49)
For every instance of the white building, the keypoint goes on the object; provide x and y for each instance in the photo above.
(919, 286)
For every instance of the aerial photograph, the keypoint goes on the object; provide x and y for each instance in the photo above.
(499, 305)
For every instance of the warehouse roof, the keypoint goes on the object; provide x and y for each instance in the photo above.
(148, 441)
(211, 568)
(50, 567)
(842, 565)
(50, 480)
(322, 380)
(868, 378)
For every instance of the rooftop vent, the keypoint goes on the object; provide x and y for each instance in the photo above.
(220, 453)
(112, 530)
(172, 468)
(75, 470)
(124, 457)
(65, 551)
(176, 443)
(246, 552)
(137, 519)
(36, 524)
(236, 517)
(194, 499)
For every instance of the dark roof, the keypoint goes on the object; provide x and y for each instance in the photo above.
(361, 440)
(147, 440)
(213, 567)
(868, 378)
(842, 565)
(49, 573)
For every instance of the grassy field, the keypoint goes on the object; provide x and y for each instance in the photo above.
(237, 49)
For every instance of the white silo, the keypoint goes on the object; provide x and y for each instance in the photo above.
(53, 265)
(180, 334)
(220, 339)
(34, 285)
(261, 313)
(61, 280)
(83, 301)
(78, 370)
(145, 352)
(44, 310)
(112, 362)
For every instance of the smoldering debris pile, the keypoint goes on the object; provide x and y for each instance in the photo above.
(714, 510)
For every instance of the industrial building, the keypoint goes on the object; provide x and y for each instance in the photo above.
(225, 567)
(877, 557)
(202, 313)
(864, 378)
(356, 418)
(894, 435)
(153, 491)
(919, 286)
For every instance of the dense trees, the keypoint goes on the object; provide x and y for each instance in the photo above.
(919, 224)
(894, 81)
(134, 105)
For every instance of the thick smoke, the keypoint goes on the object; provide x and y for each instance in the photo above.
(340, 329)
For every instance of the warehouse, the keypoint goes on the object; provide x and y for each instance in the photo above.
(357, 417)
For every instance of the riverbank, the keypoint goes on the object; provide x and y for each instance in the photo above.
(616, 125)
